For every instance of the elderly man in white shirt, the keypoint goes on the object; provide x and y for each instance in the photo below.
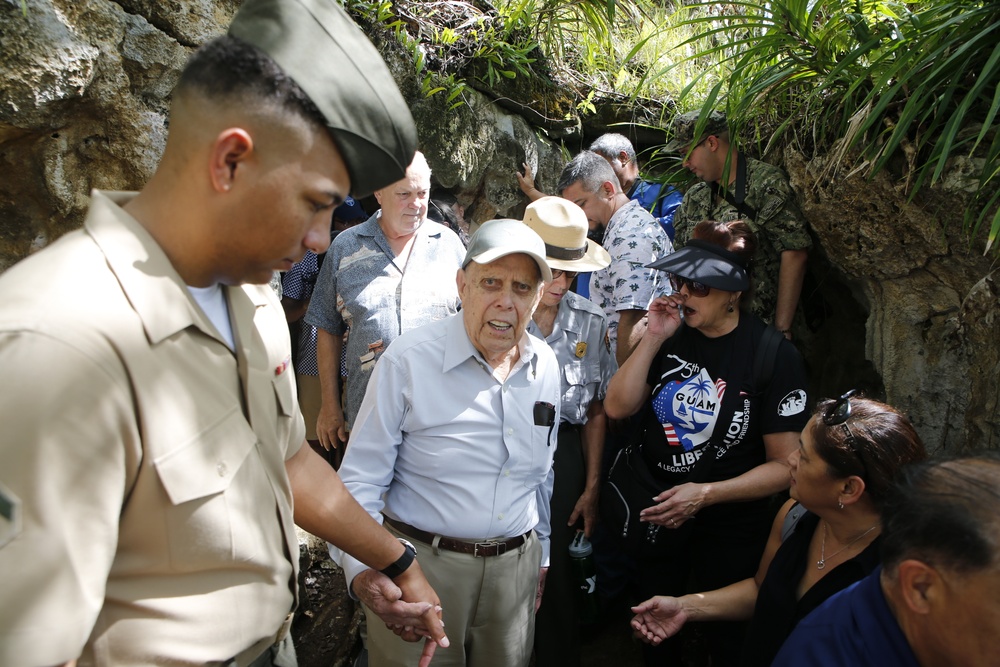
(453, 445)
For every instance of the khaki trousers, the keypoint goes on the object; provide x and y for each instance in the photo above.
(488, 607)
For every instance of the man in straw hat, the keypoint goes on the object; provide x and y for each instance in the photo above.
(453, 444)
(152, 450)
(576, 330)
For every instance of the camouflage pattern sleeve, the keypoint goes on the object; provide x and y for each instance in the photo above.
(696, 206)
(777, 209)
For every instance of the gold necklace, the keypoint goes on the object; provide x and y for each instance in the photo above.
(821, 563)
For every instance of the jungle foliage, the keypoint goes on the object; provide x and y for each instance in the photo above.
(881, 82)
(885, 79)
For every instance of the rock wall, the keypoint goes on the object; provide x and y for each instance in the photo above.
(928, 294)
(900, 303)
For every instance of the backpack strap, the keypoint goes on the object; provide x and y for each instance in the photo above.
(765, 358)
(737, 199)
(795, 512)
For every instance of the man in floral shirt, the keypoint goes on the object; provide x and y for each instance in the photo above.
(633, 238)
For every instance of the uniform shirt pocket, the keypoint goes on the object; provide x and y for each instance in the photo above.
(542, 450)
(205, 464)
(580, 381)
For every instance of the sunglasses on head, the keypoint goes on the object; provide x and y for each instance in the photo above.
(559, 273)
(837, 414)
(695, 288)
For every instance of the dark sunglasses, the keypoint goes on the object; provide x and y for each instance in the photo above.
(695, 288)
(837, 415)
(559, 273)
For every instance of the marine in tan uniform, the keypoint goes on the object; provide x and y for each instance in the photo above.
(151, 458)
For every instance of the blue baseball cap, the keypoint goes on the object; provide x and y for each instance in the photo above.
(350, 210)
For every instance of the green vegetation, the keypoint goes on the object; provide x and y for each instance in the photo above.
(909, 86)
(889, 79)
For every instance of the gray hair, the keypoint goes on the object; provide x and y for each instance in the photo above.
(611, 145)
(945, 512)
(590, 170)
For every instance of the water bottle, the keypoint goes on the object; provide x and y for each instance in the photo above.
(581, 556)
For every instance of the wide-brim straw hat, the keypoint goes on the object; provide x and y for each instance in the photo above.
(563, 227)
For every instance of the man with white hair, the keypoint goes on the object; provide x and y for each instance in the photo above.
(385, 276)
(453, 446)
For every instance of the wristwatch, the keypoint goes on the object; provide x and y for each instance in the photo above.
(403, 562)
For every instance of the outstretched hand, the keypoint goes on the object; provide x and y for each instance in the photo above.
(658, 618)
(526, 182)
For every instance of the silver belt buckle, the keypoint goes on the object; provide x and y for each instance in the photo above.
(500, 548)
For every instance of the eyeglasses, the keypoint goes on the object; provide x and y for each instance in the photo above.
(837, 415)
(695, 288)
(559, 273)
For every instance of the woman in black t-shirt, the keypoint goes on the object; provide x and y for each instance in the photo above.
(849, 453)
(691, 381)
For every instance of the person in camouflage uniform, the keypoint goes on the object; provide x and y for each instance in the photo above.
(762, 197)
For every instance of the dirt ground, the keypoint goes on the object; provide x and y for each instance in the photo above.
(610, 644)
(326, 625)
(327, 622)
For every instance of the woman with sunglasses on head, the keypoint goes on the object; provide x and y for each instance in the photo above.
(824, 539)
(717, 426)
(576, 330)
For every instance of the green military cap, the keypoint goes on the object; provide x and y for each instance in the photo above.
(318, 45)
(684, 128)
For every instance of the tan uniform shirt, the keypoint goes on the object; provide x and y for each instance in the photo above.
(579, 339)
(147, 458)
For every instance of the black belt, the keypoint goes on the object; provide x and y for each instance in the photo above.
(565, 426)
(483, 549)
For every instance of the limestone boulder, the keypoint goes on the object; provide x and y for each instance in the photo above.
(84, 89)
(925, 290)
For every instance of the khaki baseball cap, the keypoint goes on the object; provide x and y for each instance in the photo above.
(317, 44)
(684, 129)
(498, 238)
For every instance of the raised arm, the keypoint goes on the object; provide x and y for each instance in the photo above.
(526, 182)
(628, 389)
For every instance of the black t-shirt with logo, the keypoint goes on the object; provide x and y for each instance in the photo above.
(690, 377)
